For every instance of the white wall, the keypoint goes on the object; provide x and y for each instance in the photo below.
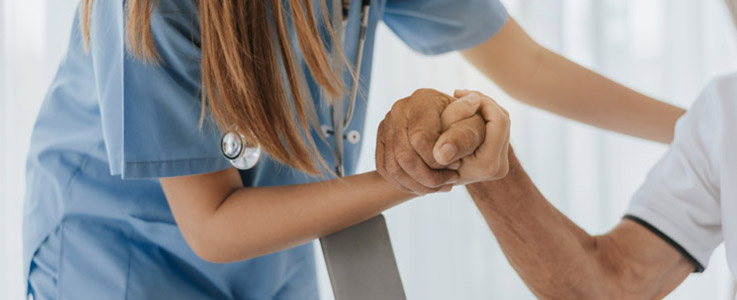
(33, 38)
(666, 48)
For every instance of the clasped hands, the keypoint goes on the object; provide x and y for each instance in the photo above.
(431, 141)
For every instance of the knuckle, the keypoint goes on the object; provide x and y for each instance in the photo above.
(406, 160)
(500, 122)
(479, 135)
(468, 105)
(398, 105)
(431, 95)
(487, 98)
(388, 116)
(441, 100)
(471, 134)
(419, 138)
(424, 91)
(433, 180)
(467, 136)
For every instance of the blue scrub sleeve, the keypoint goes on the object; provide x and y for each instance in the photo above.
(150, 113)
(439, 26)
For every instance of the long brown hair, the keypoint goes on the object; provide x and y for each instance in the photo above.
(248, 78)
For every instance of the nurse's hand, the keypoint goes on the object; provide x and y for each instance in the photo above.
(490, 160)
(407, 135)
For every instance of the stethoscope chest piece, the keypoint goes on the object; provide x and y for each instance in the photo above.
(241, 155)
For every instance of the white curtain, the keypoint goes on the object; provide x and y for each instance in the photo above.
(666, 48)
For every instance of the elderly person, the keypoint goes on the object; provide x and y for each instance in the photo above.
(680, 214)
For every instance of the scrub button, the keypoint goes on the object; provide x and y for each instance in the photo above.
(326, 130)
(353, 137)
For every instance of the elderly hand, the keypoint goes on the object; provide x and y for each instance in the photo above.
(412, 155)
(405, 141)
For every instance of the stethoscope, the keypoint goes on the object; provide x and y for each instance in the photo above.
(244, 155)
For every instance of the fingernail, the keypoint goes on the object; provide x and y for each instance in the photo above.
(447, 151)
(446, 189)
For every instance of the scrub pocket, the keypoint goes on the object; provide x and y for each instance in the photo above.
(94, 259)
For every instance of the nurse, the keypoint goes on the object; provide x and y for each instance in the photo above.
(129, 196)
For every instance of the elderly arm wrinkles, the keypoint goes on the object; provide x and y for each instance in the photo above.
(559, 260)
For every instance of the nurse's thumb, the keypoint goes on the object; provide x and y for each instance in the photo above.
(460, 140)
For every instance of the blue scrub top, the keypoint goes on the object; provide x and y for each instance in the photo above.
(97, 224)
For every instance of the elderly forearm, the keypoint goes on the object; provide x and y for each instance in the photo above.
(554, 257)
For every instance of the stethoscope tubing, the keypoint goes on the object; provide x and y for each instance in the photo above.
(339, 126)
(359, 61)
(340, 121)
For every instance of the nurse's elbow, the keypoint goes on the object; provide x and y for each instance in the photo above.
(214, 248)
(208, 248)
(211, 242)
(211, 255)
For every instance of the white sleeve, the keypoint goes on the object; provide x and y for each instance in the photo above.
(680, 199)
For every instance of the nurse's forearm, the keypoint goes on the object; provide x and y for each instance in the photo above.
(536, 76)
(259, 220)
(558, 260)
(572, 91)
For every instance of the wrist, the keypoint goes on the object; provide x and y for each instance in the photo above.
(512, 185)
(396, 195)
